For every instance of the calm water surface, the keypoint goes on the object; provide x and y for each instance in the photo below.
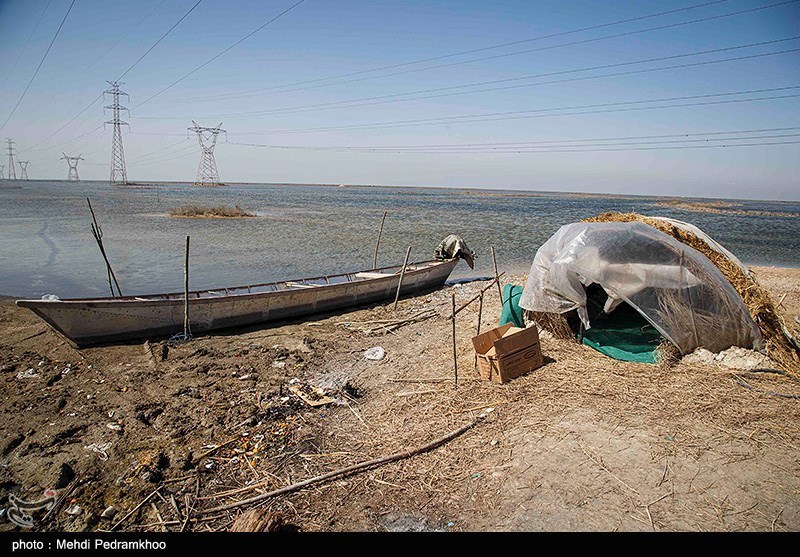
(46, 246)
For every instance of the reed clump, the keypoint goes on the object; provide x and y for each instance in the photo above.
(215, 212)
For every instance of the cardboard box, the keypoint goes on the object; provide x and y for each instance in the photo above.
(507, 352)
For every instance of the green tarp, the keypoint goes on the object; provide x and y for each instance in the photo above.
(624, 335)
(511, 311)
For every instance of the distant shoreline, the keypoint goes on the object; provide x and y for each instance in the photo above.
(525, 192)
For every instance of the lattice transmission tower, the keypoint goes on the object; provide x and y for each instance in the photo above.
(2, 168)
(119, 175)
(12, 173)
(72, 174)
(207, 173)
(23, 168)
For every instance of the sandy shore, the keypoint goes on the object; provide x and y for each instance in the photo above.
(583, 443)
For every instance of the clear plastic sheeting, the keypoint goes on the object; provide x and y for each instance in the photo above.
(673, 286)
(711, 242)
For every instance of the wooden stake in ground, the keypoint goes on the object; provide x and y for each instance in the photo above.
(345, 471)
(497, 278)
(402, 273)
(97, 232)
(378, 243)
(186, 332)
(480, 315)
(455, 355)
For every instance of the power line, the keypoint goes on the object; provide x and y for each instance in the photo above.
(185, 145)
(159, 40)
(615, 147)
(439, 91)
(502, 45)
(218, 55)
(87, 107)
(25, 48)
(257, 92)
(541, 142)
(39, 66)
(537, 113)
(125, 36)
(100, 96)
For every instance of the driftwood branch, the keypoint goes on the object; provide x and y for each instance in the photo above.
(346, 471)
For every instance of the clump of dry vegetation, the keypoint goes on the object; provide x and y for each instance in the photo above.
(720, 207)
(218, 212)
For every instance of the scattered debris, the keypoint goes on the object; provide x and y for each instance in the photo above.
(109, 512)
(29, 373)
(100, 448)
(311, 394)
(374, 353)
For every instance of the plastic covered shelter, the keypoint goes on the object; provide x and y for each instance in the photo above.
(674, 287)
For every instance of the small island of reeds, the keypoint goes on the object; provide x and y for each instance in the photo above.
(216, 212)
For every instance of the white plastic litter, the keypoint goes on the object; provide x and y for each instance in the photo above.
(27, 374)
(375, 353)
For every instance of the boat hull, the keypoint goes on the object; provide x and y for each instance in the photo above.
(108, 320)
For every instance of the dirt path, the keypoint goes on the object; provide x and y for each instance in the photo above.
(583, 443)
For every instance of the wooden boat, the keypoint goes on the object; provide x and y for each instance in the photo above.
(85, 322)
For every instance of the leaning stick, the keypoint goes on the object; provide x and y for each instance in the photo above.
(476, 296)
(455, 354)
(402, 273)
(97, 232)
(480, 315)
(346, 471)
(378, 243)
(186, 292)
(497, 278)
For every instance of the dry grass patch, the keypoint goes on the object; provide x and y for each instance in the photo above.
(218, 212)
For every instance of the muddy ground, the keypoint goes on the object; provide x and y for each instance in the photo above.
(583, 443)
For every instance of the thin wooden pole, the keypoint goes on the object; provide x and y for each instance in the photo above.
(497, 277)
(402, 273)
(480, 316)
(97, 232)
(186, 292)
(476, 296)
(455, 354)
(378, 243)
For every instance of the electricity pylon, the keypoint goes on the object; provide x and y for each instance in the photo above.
(72, 175)
(207, 174)
(119, 174)
(2, 168)
(12, 173)
(23, 167)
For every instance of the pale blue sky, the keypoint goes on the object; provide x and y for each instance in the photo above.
(321, 39)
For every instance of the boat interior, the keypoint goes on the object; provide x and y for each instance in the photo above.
(300, 284)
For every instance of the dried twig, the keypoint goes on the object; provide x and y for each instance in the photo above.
(136, 508)
(348, 470)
